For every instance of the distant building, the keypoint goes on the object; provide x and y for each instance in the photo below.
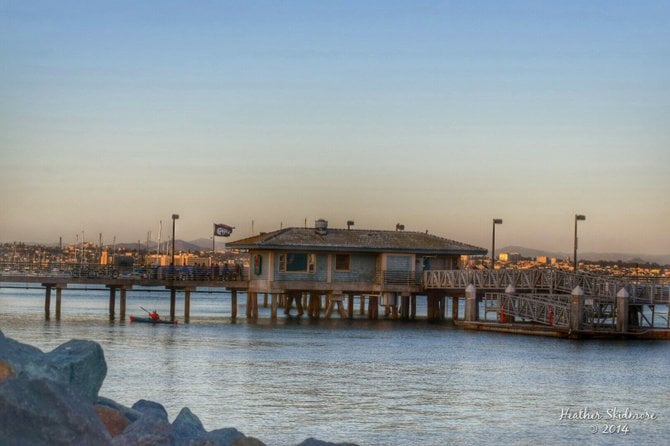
(509, 257)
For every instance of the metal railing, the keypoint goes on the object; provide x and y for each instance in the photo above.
(141, 272)
(645, 290)
(547, 309)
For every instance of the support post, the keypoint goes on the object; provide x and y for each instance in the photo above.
(576, 308)
(350, 306)
(412, 307)
(112, 302)
(233, 304)
(454, 308)
(273, 306)
(362, 305)
(187, 305)
(622, 299)
(173, 301)
(471, 304)
(58, 299)
(265, 300)
(47, 302)
(508, 318)
(122, 304)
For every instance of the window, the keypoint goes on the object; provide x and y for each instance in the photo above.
(342, 262)
(297, 262)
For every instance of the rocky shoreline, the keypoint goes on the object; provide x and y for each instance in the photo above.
(52, 398)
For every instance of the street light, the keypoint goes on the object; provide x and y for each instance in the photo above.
(174, 218)
(496, 221)
(578, 217)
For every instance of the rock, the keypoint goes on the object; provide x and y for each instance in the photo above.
(315, 442)
(80, 364)
(6, 370)
(227, 437)
(151, 409)
(113, 419)
(248, 441)
(149, 431)
(24, 358)
(187, 427)
(131, 414)
(40, 411)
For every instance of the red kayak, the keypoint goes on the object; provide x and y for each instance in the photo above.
(152, 321)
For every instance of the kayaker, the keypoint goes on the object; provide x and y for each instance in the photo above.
(154, 316)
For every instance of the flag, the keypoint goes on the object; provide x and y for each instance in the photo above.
(222, 230)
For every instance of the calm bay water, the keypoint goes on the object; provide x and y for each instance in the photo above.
(373, 383)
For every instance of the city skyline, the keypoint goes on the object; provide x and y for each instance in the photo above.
(437, 115)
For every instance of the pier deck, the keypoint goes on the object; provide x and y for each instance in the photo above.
(546, 302)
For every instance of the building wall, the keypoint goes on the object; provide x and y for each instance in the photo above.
(363, 268)
(320, 275)
(399, 262)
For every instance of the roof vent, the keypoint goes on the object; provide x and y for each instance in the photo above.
(321, 226)
(399, 227)
(350, 223)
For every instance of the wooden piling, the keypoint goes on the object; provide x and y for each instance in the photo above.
(350, 305)
(47, 302)
(58, 299)
(122, 304)
(112, 302)
(362, 305)
(273, 308)
(454, 308)
(412, 310)
(233, 304)
(187, 305)
(173, 302)
(265, 300)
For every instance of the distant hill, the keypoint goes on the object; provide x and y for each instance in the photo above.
(593, 256)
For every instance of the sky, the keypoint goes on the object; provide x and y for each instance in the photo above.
(439, 115)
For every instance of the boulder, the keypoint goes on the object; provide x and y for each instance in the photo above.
(187, 427)
(6, 370)
(40, 411)
(151, 409)
(148, 430)
(80, 364)
(131, 414)
(227, 437)
(113, 419)
(23, 358)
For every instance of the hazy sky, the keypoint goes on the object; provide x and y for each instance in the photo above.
(440, 115)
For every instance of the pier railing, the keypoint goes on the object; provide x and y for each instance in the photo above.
(140, 272)
(549, 280)
(546, 309)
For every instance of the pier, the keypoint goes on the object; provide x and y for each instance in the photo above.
(548, 302)
(322, 272)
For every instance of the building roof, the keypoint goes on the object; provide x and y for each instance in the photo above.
(356, 240)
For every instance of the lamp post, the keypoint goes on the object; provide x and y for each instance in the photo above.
(496, 221)
(578, 217)
(174, 218)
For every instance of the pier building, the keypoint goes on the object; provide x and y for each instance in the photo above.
(301, 265)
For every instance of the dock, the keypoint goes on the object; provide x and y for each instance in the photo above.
(544, 302)
(322, 272)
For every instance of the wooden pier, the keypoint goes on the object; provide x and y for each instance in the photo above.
(319, 273)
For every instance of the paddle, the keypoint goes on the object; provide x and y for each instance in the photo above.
(148, 312)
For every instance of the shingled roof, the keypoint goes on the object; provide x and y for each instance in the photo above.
(356, 240)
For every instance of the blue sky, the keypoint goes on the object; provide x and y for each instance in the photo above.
(437, 115)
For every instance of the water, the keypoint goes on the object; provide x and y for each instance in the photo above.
(373, 383)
